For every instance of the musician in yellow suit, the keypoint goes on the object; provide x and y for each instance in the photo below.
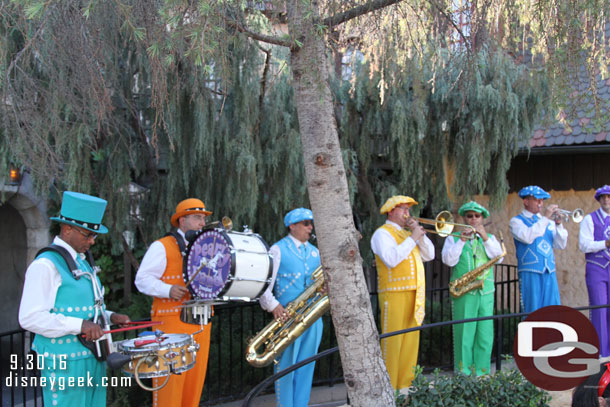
(401, 246)
(160, 276)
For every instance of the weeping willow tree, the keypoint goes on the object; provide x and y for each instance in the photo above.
(231, 101)
(80, 113)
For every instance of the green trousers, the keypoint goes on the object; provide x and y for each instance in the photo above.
(473, 341)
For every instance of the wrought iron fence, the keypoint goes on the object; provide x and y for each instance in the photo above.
(230, 377)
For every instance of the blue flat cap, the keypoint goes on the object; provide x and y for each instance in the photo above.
(535, 191)
(297, 215)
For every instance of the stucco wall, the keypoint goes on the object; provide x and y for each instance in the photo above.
(571, 261)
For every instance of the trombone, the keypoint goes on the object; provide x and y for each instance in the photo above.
(443, 224)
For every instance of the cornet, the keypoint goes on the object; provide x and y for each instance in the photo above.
(443, 224)
(577, 215)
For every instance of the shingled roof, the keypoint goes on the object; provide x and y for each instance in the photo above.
(582, 124)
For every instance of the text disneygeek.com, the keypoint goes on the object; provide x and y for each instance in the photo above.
(60, 383)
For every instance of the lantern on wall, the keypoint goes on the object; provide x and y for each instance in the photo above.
(14, 175)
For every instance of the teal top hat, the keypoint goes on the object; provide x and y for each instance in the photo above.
(82, 210)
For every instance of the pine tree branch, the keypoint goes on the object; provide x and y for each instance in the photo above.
(257, 36)
(358, 11)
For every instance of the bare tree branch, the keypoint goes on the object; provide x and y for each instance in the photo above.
(358, 11)
(257, 36)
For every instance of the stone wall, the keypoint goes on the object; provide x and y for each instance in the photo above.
(571, 261)
(24, 231)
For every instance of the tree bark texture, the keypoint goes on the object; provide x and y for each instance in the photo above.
(366, 377)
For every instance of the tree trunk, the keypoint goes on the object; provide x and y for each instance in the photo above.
(366, 377)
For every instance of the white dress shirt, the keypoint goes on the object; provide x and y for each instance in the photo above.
(452, 249)
(267, 300)
(586, 242)
(148, 278)
(528, 234)
(42, 280)
(384, 245)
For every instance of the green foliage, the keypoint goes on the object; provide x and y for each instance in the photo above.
(504, 388)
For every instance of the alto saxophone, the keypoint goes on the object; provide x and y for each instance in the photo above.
(303, 311)
(469, 281)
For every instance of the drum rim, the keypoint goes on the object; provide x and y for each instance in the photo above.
(149, 347)
(232, 271)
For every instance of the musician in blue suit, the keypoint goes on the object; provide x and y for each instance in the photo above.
(294, 261)
(537, 231)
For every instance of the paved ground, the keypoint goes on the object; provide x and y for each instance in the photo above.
(336, 396)
(324, 396)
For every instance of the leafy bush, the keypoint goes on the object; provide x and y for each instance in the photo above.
(505, 388)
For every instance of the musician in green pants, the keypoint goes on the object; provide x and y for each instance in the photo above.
(472, 341)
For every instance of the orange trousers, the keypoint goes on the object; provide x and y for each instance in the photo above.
(184, 390)
(399, 351)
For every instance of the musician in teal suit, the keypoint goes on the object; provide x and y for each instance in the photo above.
(58, 304)
(537, 231)
(294, 261)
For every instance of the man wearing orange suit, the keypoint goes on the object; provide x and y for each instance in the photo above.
(401, 246)
(160, 276)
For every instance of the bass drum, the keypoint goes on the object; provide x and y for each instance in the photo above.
(227, 266)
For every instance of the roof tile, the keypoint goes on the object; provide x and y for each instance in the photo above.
(539, 133)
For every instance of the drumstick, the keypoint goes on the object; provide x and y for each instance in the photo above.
(195, 275)
(199, 269)
(141, 342)
(143, 324)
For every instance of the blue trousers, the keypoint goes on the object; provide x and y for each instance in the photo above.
(538, 290)
(598, 285)
(78, 384)
(293, 390)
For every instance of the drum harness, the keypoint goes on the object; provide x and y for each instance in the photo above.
(99, 351)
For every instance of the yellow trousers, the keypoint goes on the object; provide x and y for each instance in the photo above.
(184, 390)
(400, 351)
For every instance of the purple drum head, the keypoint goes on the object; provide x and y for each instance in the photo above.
(214, 248)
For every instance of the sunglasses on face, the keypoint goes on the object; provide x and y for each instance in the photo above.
(473, 215)
(306, 223)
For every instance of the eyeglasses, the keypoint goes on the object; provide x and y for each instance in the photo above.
(306, 223)
(87, 236)
(473, 215)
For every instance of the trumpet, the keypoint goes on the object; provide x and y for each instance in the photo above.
(576, 216)
(443, 224)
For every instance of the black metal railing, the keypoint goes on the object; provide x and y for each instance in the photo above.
(230, 377)
(498, 344)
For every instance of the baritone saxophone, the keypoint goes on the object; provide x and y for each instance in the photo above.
(470, 281)
(303, 311)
